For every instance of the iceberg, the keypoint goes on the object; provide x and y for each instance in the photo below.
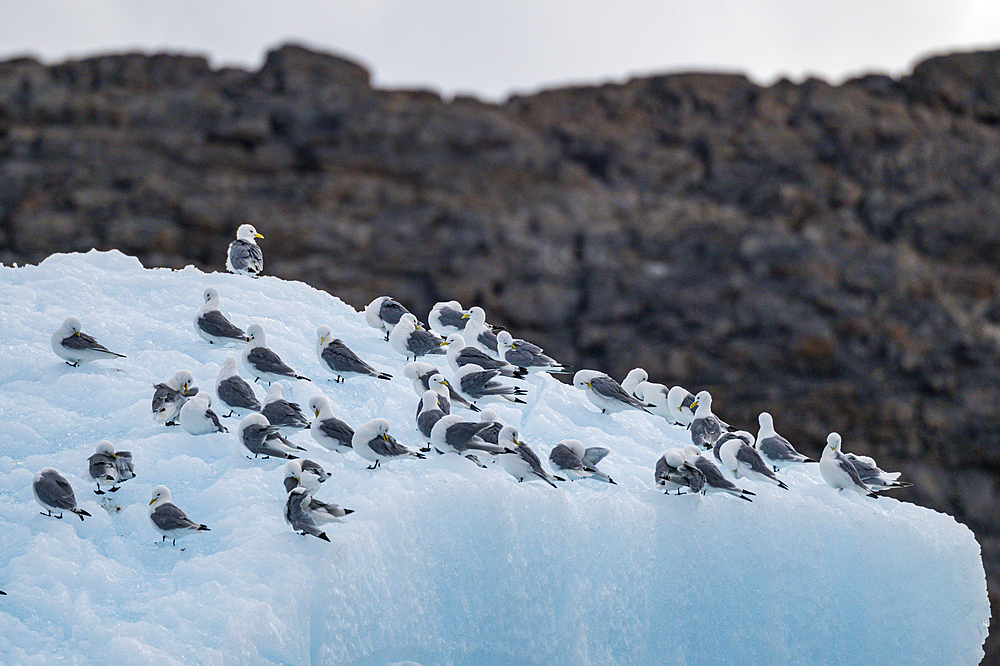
(442, 562)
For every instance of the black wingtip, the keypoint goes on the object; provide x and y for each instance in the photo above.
(612, 481)
(82, 513)
(519, 401)
(323, 536)
(747, 492)
(303, 378)
(384, 375)
(744, 497)
(559, 478)
(474, 408)
(781, 484)
(347, 511)
(203, 528)
(419, 455)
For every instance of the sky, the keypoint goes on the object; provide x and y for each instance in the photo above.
(493, 48)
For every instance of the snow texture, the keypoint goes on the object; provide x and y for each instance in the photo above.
(442, 562)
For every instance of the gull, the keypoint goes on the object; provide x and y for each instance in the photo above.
(428, 413)
(373, 442)
(304, 472)
(212, 325)
(421, 376)
(838, 471)
(578, 461)
(873, 477)
(715, 481)
(170, 396)
(521, 462)
(490, 434)
(680, 406)
(263, 439)
(280, 412)
(53, 492)
(775, 449)
(654, 395)
(197, 418)
(339, 359)
(741, 458)
(329, 432)
(109, 466)
(304, 513)
(410, 340)
(447, 317)
(244, 256)
(706, 427)
(477, 384)
(383, 313)
(453, 434)
(460, 355)
(673, 472)
(234, 392)
(169, 520)
(478, 332)
(75, 347)
(605, 392)
(260, 362)
(526, 356)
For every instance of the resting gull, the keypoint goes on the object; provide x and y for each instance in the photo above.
(197, 418)
(170, 396)
(838, 471)
(53, 493)
(715, 481)
(168, 519)
(873, 477)
(75, 347)
(460, 355)
(304, 472)
(775, 449)
(260, 362)
(605, 392)
(263, 439)
(447, 317)
(373, 442)
(478, 384)
(212, 325)
(338, 358)
(234, 392)
(280, 412)
(526, 356)
(522, 462)
(410, 340)
(674, 472)
(579, 462)
(329, 432)
(478, 332)
(383, 313)
(706, 427)
(741, 458)
(110, 467)
(244, 256)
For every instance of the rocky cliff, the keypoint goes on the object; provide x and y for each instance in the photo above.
(828, 253)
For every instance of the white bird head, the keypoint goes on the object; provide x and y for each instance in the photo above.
(833, 442)
(323, 333)
(255, 334)
(505, 340)
(160, 493)
(106, 448)
(317, 404)
(211, 295)
(248, 233)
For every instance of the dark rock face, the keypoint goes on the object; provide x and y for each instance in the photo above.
(826, 253)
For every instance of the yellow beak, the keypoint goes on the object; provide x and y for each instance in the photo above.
(258, 235)
(151, 501)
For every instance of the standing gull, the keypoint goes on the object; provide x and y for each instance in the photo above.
(428, 413)
(775, 449)
(110, 467)
(301, 507)
(263, 439)
(280, 412)
(304, 472)
(526, 356)
(197, 418)
(478, 332)
(422, 377)
(170, 396)
(334, 355)
(75, 347)
(212, 325)
(260, 362)
(460, 355)
(632, 380)
(329, 432)
(169, 520)
(447, 317)
(410, 340)
(715, 481)
(53, 492)
(838, 471)
(741, 458)
(477, 384)
(605, 392)
(373, 442)
(234, 392)
(706, 427)
(383, 313)
(579, 462)
(522, 462)
(244, 256)
(453, 434)
(674, 472)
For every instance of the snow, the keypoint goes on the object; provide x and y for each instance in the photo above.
(442, 562)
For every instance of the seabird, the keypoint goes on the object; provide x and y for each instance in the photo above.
(260, 362)
(521, 462)
(329, 432)
(110, 467)
(53, 492)
(168, 519)
(263, 439)
(741, 458)
(383, 313)
(336, 356)
(244, 256)
(234, 392)
(526, 356)
(579, 462)
(373, 442)
(280, 412)
(411, 341)
(605, 392)
(75, 347)
(838, 471)
(775, 449)
(715, 481)
(304, 472)
(477, 384)
(447, 317)
(170, 396)
(212, 325)
(460, 355)
(197, 418)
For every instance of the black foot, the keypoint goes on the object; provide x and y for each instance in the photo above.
(115, 489)
(100, 492)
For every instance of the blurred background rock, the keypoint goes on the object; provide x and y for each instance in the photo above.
(827, 253)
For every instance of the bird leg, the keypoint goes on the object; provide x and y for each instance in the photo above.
(114, 489)
(51, 515)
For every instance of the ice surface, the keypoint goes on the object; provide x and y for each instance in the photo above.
(442, 562)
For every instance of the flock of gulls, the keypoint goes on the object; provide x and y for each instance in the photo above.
(483, 365)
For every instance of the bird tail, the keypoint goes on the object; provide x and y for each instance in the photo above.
(203, 528)
(301, 377)
(81, 513)
(384, 375)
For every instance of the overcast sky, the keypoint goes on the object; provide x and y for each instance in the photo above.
(492, 48)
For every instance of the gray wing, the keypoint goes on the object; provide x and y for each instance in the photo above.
(705, 430)
(747, 454)
(340, 358)
(254, 435)
(391, 310)
(168, 517)
(850, 469)
(246, 256)
(530, 457)
(713, 477)
(452, 317)
(472, 355)
(564, 458)
(520, 357)
(290, 483)
(478, 384)
(235, 392)
(284, 413)
(123, 463)
(488, 340)
(609, 388)
(863, 468)
(84, 341)
(163, 395)
(55, 491)
(215, 323)
(491, 433)
(313, 468)
(387, 446)
(662, 470)
(594, 455)
(209, 414)
(338, 430)
(427, 419)
(101, 466)
(460, 434)
(266, 360)
(424, 342)
(779, 448)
